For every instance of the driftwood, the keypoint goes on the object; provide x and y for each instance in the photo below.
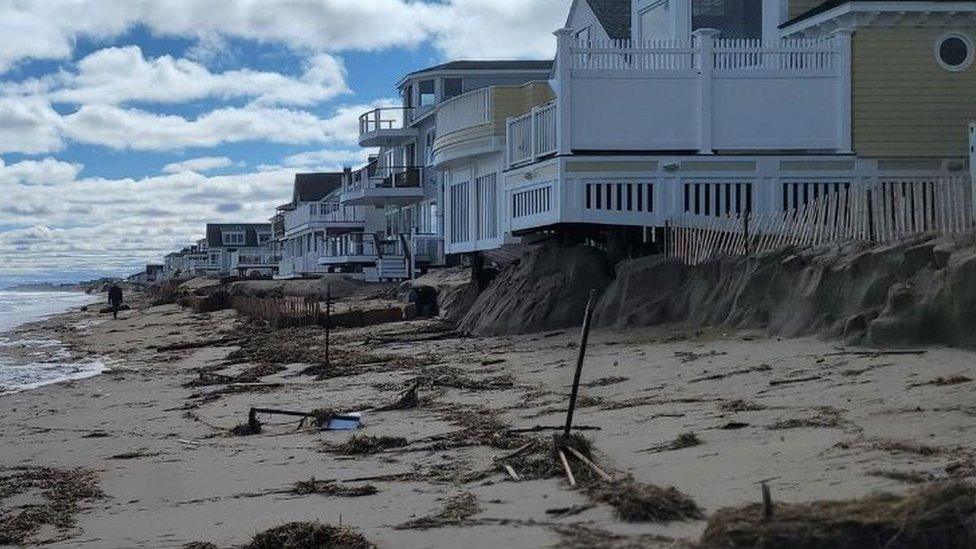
(797, 380)
(596, 468)
(569, 472)
(198, 344)
(538, 428)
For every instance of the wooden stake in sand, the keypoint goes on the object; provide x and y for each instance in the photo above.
(584, 336)
(596, 468)
(767, 501)
(328, 320)
(569, 472)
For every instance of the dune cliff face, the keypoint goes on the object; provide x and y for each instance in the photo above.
(921, 291)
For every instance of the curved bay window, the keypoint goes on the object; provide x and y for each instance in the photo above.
(735, 18)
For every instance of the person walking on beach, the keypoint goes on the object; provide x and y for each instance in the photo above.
(115, 299)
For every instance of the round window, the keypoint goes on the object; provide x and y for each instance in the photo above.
(954, 51)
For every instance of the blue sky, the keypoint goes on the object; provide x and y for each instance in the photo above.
(129, 124)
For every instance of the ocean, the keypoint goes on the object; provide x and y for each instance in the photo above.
(27, 362)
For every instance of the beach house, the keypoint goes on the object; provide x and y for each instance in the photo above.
(239, 249)
(450, 127)
(313, 218)
(664, 108)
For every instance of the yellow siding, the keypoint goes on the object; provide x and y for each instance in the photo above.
(904, 103)
(798, 7)
(506, 101)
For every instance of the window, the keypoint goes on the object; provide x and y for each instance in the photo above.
(954, 51)
(583, 37)
(735, 18)
(264, 237)
(426, 90)
(233, 238)
(655, 21)
(429, 138)
(452, 87)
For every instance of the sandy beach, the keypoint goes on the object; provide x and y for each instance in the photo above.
(816, 420)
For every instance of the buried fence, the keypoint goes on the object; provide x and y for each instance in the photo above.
(291, 312)
(884, 212)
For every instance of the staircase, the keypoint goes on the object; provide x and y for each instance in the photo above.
(392, 268)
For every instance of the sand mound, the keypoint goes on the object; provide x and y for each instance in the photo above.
(455, 290)
(917, 292)
(339, 286)
(940, 515)
(546, 289)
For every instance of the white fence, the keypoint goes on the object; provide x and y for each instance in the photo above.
(883, 212)
(797, 56)
(464, 111)
(533, 135)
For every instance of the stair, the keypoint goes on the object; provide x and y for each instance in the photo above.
(392, 268)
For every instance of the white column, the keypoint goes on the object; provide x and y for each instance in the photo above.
(845, 88)
(705, 39)
(564, 74)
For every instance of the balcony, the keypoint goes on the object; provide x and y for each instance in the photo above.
(323, 215)
(350, 249)
(384, 186)
(388, 127)
(474, 123)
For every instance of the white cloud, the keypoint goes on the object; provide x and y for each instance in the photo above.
(32, 126)
(29, 125)
(38, 172)
(114, 225)
(122, 74)
(328, 157)
(199, 165)
(463, 28)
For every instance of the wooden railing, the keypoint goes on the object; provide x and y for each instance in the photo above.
(533, 135)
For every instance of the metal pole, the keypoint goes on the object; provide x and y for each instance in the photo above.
(584, 336)
(328, 320)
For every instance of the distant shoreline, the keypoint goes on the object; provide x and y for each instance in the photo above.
(44, 287)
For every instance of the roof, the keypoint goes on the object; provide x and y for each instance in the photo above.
(487, 65)
(831, 4)
(215, 233)
(312, 187)
(614, 16)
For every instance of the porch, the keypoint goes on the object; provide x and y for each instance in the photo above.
(384, 186)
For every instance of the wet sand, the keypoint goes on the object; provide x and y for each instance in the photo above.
(816, 421)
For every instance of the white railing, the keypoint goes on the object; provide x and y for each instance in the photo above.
(390, 118)
(532, 135)
(333, 212)
(464, 111)
(799, 55)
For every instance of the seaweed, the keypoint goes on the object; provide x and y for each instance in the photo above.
(308, 535)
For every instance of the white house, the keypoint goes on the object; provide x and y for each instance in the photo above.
(313, 218)
(448, 134)
(239, 249)
(706, 107)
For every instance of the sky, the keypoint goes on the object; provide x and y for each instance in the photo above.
(127, 125)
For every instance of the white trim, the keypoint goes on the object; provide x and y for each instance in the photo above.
(937, 50)
(853, 15)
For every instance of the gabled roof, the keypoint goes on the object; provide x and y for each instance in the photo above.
(614, 15)
(831, 4)
(486, 65)
(215, 233)
(312, 187)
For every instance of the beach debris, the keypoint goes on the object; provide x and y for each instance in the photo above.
(308, 535)
(323, 418)
(511, 472)
(570, 511)
(200, 545)
(61, 495)
(605, 381)
(635, 501)
(457, 509)
(684, 440)
(933, 515)
(776, 382)
(578, 536)
(246, 429)
(911, 477)
(690, 356)
(944, 381)
(365, 444)
(767, 500)
(733, 425)
(135, 454)
(826, 417)
(332, 488)
(407, 400)
(739, 405)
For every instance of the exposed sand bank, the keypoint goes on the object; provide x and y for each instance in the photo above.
(819, 421)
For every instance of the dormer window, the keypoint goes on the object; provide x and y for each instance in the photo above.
(233, 238)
